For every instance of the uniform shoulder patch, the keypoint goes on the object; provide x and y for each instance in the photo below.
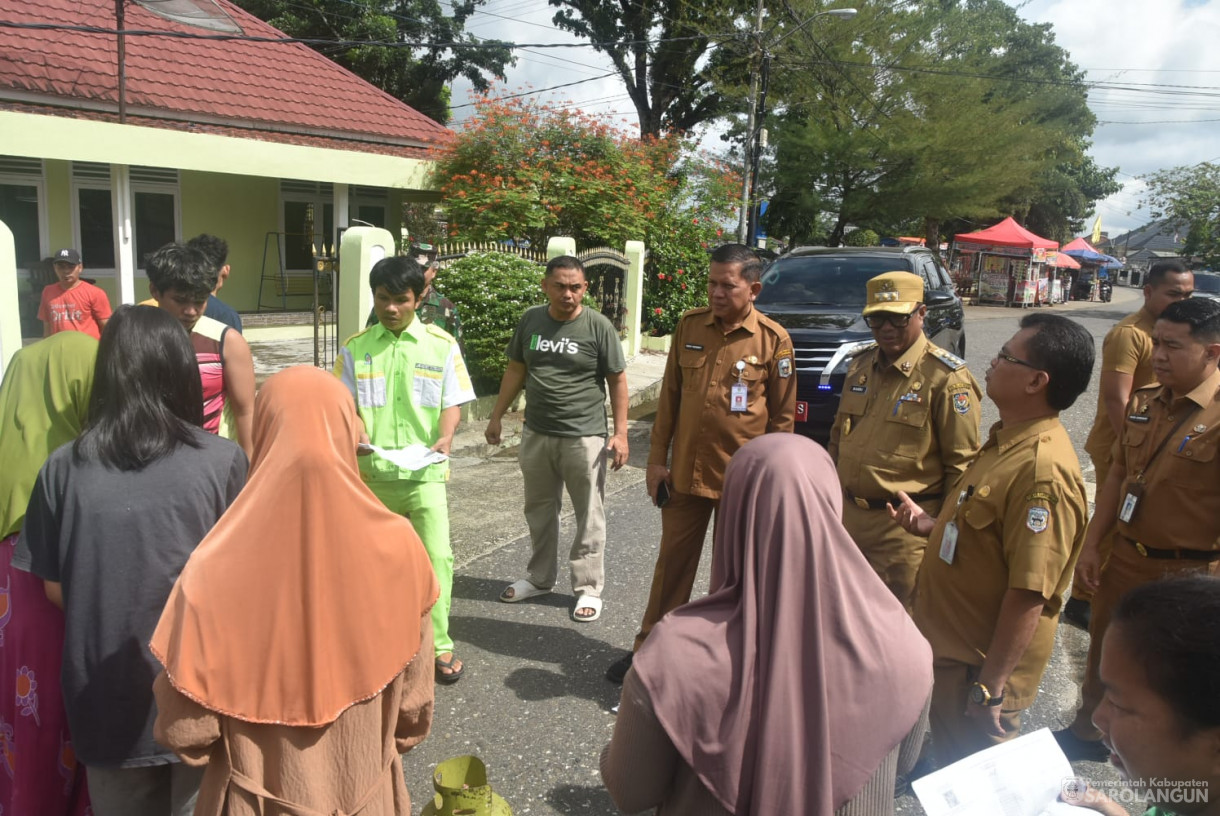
(1037, 519)
(961, 401)
(952, 360)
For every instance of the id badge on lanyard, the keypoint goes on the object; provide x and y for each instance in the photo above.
(740, 392)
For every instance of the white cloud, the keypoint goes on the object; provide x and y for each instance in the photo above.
(1136, 43)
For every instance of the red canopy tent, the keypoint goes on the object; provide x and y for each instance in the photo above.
(1080, 243)
(1065, 261)
(1007, 233)
(1007, 261)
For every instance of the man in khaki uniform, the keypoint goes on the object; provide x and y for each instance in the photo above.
(1161, 499)
(1126, 365)
(908, 420)
(730, 377)
(1000, 554)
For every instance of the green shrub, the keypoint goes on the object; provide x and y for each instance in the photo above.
(491, 291)
(675, 275)
(862, 238)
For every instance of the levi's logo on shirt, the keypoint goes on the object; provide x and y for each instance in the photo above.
(561, 346)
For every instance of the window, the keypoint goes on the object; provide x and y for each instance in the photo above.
(368, 204)
(21, 208)
(155, 218)
(308, 212)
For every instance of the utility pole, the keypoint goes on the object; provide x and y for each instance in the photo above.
(747, 192)
(759, 144)
(748, 220)
(122, 54)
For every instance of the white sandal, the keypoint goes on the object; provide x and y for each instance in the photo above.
(522, 590)
(587, 602)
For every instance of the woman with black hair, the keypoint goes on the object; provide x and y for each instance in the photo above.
(1160, 716)
(110, 524)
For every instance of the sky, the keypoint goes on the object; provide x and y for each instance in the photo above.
(1146, 47)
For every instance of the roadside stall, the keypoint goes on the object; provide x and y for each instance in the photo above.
(1061, 278)
(1094, 268)
(1008, 262)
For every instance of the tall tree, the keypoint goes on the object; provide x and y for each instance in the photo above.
(418, 76)
(1190, 194)
(941, 110)
(670, 54)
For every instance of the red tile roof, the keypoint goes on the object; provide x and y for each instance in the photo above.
(284, 88)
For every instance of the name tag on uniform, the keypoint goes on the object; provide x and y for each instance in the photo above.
(948, 543)
(738, 397)
(1130, 502)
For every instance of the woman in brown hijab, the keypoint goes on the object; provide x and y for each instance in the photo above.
(798, 685)
(290, 640)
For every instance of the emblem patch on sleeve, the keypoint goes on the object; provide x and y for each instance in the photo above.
(1037, 519)
(961, 402)
(785, 367)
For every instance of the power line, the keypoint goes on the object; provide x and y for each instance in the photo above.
(540, 90)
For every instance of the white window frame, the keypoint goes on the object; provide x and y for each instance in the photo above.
(174, 188)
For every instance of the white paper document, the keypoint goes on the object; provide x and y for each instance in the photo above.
(1023, 777)
(412, 457)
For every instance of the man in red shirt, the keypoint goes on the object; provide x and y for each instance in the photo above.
(72, 304)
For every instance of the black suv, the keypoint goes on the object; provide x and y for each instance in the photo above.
(817, 294)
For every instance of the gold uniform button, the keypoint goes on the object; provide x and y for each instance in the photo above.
(985, 491)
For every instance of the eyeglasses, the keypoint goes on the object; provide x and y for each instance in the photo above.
(1005, 356)
(879, 319)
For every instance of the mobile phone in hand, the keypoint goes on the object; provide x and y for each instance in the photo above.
(662, 494)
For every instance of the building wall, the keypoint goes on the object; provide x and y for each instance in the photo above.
(240, 209)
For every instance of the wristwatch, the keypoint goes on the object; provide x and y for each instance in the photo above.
(981, 695)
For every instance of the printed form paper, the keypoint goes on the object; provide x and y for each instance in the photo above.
(1023, 777)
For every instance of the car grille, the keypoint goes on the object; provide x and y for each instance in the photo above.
(812, 358)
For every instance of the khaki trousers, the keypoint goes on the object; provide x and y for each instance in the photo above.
(548, 465)
(684, 523)
(892, 552)
(1126, 570)
(954, 736)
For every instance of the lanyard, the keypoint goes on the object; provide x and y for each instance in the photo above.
(1139, 477)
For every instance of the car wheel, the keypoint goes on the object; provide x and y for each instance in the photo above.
(961, 347)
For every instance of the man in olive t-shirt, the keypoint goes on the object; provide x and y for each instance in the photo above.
(565, 355)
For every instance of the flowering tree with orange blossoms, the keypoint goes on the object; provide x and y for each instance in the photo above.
(524, 170)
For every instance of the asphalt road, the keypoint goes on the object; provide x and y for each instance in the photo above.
(534, 704)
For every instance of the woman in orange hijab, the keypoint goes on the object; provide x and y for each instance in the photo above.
(290, 641)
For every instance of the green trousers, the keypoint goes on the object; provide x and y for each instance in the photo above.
(426, 504)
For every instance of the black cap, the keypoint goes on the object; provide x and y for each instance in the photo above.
(67, 255)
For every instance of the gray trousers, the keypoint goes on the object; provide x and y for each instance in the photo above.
(156, 790)
(548, 465)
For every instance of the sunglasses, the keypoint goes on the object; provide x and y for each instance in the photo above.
(879, 319)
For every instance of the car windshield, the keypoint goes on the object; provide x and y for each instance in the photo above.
(1207, 283)
(824, 280)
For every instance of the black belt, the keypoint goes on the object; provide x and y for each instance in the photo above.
(1177, 555)
(879, 504)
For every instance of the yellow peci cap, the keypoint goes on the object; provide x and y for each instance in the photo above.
(897, 292)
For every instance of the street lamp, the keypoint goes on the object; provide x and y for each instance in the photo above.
(747, 222)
